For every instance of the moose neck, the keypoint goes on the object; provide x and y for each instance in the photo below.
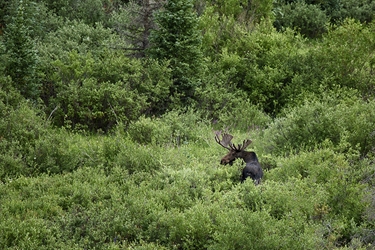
(248, 156)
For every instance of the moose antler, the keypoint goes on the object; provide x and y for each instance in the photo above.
(225, 142)
(244, 145)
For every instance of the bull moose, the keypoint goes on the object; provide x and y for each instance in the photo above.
(252, 168)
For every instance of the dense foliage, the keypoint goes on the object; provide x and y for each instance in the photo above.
(108, 110)
(177, 40)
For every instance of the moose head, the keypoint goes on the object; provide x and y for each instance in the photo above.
(252, 168)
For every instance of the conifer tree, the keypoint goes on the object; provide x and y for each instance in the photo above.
(21, 55)
(178, 40)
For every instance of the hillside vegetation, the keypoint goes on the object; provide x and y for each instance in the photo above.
(108, 110)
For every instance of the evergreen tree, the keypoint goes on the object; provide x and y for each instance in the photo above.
(134, 23)
(178, 40)
(21, 55)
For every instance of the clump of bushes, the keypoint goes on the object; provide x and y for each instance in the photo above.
(347, 120)
(20, 127)
(174, 128)
(86, 100)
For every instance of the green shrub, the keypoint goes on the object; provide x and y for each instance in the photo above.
(97, 106)
(92, 92)
(244, 116)
(142, 245)
(337, 194)
(242, 229)
(26, 212)
(173, 128)
(20, 128)
(230, 108)
(29, 146)
(308, 19)
(138, 158)
(219, 31)
(262, 64)
(28, 233)
(90, 12)
(361, 11)
(154, 83)
(319, 166)
(148, 130)
(60, 152)
(71, 211)
(94, 211)
(189, 229)
(74, 36)
(338, 62)
(338, 119)
(341, 59)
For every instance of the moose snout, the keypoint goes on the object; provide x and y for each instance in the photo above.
(226, 161)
